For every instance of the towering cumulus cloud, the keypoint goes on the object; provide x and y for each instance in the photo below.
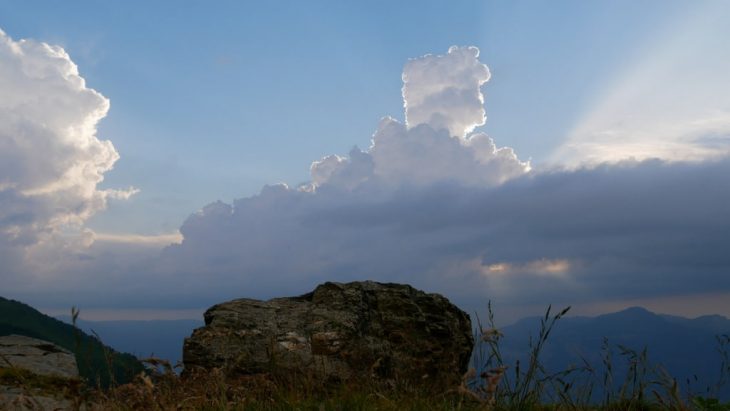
(314, 231)
(430, 204)
(443, 91)
(50, 158)
(443, 103)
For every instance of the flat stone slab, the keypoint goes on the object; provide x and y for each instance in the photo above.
(37, 356)
(43, 359)
(16, 399)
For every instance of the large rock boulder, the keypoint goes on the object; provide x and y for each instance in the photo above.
(338, 332)
(36, 375)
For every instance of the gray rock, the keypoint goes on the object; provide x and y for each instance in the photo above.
(338, 331)
(52, 365)
(22, 399)
(37, 356)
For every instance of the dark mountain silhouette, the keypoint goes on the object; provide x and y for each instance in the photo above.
(686, 348)
(92, 356)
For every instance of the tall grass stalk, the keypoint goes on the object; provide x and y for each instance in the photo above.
(494, 386)
(532, 386)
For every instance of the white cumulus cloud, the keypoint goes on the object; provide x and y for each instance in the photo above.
(443, 103)
(51, 160)
(444, 91)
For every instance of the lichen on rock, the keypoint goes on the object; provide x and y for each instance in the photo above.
(338, 332)
(36, 374)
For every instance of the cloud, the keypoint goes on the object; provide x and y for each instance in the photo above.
(50, 158)
(160, 240)
(444, 91)
(629, 231)
(626, 232)
(460, 216)
(633, 230)
(427, 204)
(542, 266)
(443, 101)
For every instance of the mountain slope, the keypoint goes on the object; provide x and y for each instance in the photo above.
(22, 319)
(153, 338)
(686, 348)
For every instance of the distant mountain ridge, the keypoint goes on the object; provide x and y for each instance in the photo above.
(22, 319)
(686, 348)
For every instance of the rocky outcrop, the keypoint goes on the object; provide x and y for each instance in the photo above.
(37, 356)
(339, 332)
(35, 374)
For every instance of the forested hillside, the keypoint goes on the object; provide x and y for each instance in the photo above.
(93, 357)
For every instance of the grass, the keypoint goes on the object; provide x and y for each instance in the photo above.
(91, 355)
(492, 385)
(213, 391)
(530, 386)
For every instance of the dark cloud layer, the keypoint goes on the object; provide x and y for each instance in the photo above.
(616, 231)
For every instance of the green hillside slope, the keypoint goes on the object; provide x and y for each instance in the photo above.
(92, 356)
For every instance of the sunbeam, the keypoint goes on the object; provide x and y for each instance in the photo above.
(673, 104)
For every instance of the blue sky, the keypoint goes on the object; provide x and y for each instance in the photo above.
(215, 100)
(212, 100)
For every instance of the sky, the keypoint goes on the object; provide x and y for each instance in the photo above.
(157, 158)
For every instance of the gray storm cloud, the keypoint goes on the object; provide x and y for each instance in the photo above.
(612, 232)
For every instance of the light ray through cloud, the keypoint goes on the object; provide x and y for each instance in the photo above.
(673, 104)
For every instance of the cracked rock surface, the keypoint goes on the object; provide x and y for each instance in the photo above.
(37, 356)
(337, 332)
(42, 369)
